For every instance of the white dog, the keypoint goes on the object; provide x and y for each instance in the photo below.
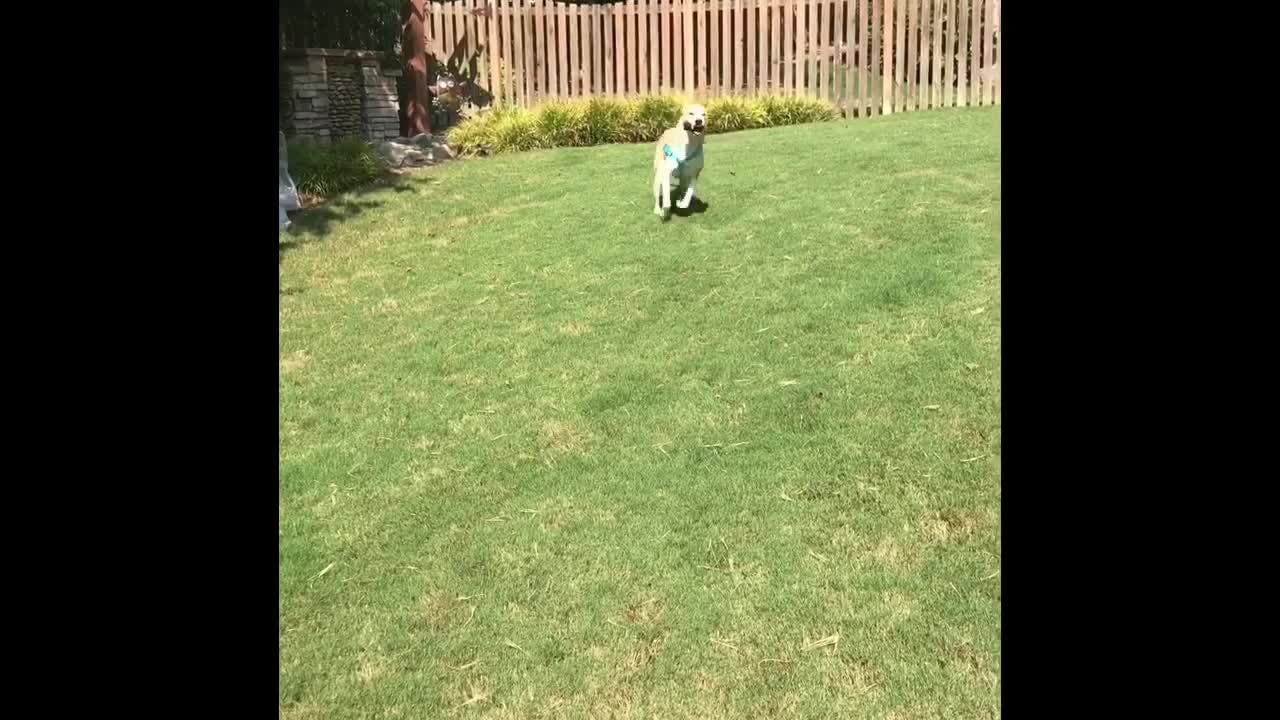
(679, 157)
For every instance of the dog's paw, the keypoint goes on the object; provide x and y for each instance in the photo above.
(657, 210)
(683, 204)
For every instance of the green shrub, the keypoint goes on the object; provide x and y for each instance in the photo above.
(515, 132)
(597, 121)
(647, 117)
(795, 110)
(470, 137)
(330, 169)
(560, 124)
(603, 121)
(728, 114)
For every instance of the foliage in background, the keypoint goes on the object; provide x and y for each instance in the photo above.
(343, 24)
(793, 110)
(734, 113)
(330, 169)
(599, 121)
(350, 24)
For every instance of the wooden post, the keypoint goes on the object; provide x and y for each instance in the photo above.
(539, 49)
(818, 46)
(687, 42)
(889, 83)
(555, 47)
(926, 57)
(998, 39)
(774, 44)
(575, 63)
(900, 63)
(610, 69)
(811, 50)
(723, 46)
(595, 86)
(962, 53)
(935, 99)
(788, 54)
(988, 54)
(633, 19)
(739, 37)
(948, 54)
(714, 33)
(874, 69)
(864, 78)
(530, 65)
(913, 46)
(491, 51)
(751, 47)
(975, 60)
(652, 48)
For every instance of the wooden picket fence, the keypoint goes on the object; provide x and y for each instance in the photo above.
(866, 56)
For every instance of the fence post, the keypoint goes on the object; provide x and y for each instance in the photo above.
(948, 54)
(996, 49)
(633, 50)
(751, 46)
(889, 74)
(975, 44)
(988, 54)
(935, 98)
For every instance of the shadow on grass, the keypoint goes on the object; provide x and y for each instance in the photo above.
(317, 222)
(697, 206)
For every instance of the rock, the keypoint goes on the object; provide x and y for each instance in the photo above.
(418, 151)
(440, 151)
(400, 153)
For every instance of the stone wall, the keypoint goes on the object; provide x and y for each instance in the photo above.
(381, 102)
(327, 95)
(345, 98)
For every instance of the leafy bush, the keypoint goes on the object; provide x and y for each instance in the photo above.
(596, 121)
(515, 132)
(603, 121)
(728, 114)
(795, 110)
(560, 124)
(330, 169)
(647, 117)
(471, 136)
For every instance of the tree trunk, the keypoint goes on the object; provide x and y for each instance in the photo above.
(413, 42)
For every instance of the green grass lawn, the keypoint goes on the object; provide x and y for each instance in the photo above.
(543, 455)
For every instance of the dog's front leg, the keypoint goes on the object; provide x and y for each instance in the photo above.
(683, 202)
(664, 197)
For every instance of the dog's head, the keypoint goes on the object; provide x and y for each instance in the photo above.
(694, 119)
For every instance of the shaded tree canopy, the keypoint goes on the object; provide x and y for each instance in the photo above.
(341, 24)
(350, 24)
